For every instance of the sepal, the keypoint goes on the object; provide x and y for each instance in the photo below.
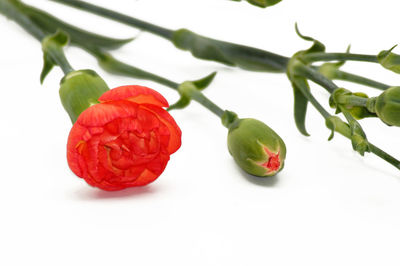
(79, 90)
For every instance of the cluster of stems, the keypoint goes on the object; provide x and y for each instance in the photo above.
(300, 68)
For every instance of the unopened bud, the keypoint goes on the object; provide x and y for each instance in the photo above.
(387, 106)
(256, 148)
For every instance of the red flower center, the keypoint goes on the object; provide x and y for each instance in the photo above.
(273, 163)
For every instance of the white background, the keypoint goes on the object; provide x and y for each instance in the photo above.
(329, 206)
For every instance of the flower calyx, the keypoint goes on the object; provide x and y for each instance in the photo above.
(353, 102)
(79, 90)
(386, 106)
(255, 147)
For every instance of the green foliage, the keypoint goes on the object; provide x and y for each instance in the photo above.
(230, 54)
(188, 88)
(52, 47)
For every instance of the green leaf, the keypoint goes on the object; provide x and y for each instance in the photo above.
(300, 105)
(228, 118)
(51, 24)
(317, 45)
(203, 83)
(52, 46)
(181, 103)
(187, 88)
(389, 60)
(335, 124)
(48, 65)
(358, 138)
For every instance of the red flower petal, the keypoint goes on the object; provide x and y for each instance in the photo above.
(100, 114)
(123, 143)
(175, 132)
(73, 151)
(135, 93)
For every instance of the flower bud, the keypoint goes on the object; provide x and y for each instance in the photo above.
(79, 90)
(256, 148)
(387, 106)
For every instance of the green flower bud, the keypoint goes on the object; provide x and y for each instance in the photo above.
(387, 106)
(256, 148)
(350, 101)
(79, 90)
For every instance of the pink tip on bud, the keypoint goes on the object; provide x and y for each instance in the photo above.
(273, 163)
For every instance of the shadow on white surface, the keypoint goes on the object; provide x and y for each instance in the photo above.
(259, 181)
(89, 193)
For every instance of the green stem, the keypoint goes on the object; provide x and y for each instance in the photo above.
(313, 75)
(303, 86)
(387, 157)
(58, 56)
(202, 47)
(322, 56)
(160, 31)
(114, 66)
(14, 10)
(346, 132)
(354, 100)
(346, 76)
(199, 97)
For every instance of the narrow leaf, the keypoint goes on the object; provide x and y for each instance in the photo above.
(300, 109)
(317, 45)
(47, 67)
(203, 83)
(180, 104)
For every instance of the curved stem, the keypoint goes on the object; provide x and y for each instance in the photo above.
(160, 31)
(320, 56)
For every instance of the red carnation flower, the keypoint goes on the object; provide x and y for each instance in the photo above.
(125, 140)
